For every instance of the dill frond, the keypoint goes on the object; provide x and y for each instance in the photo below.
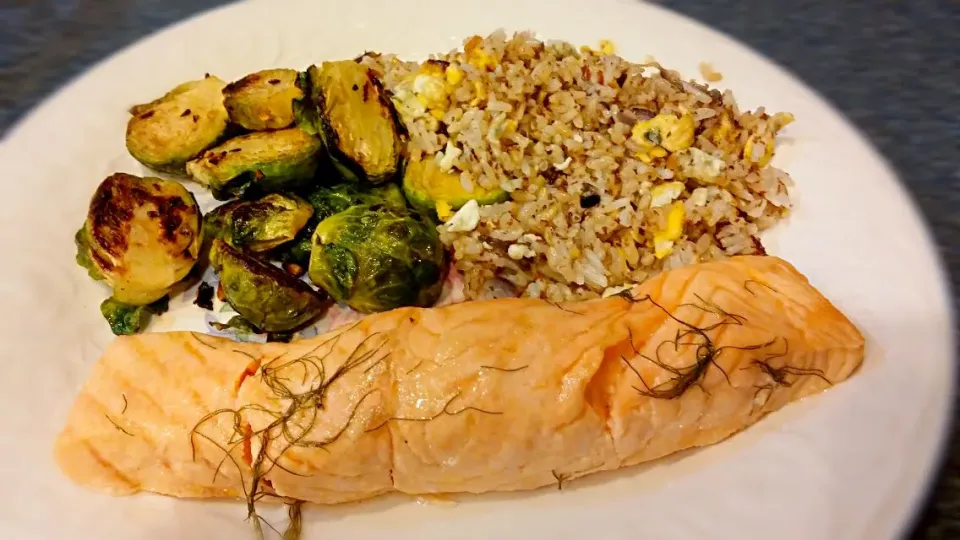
(289, 426)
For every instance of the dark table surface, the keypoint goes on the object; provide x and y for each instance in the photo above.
(893, 66)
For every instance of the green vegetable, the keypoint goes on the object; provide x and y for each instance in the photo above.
(238, 324)
(259, 225)
(125, 319)
(143, 236)
(166, 133)
(345, 104)
(263, 100)
(377, 258)
(298, 251)
(329, 200)
(425, 185)
(83, 255)
(267, 297)
(269, 160)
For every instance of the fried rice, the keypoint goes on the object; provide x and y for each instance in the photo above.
(615, 170)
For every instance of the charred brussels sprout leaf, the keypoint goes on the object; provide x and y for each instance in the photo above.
(126, 319)
(376, 258)
(347, 105)
(259, 225)
(83, 255)
(271, 160)
(204, 297)
(263, 100)
(166, 133)
(267, 297)
(427, 187)
(330, 200)
(143, 234)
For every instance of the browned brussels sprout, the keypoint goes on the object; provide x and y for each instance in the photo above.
(264, 295)
(269, 160)
(263, 100)
(142, 235)
(166, 133)
(258, 225)
(347, 105)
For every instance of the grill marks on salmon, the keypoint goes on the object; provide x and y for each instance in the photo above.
(482, 396)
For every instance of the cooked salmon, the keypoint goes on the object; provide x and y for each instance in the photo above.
(497, 395)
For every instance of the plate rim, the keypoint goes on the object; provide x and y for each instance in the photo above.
(921, 487)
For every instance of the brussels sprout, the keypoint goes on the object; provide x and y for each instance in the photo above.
(267, 297)
(327, 201)
(271, 160)
(83, 255)
(376, 258)
(126, 319)
(427, 186)
(346, 104)
(143, 234)
(166, 133)
(259, 225)
(263, 100)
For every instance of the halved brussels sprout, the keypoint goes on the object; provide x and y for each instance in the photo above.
(376, 258)
(346, 104)
(327, 201)
(263, 100)
(166, 133)
(143, 234)
(426, 186)
(267, 297)
(269, 160)
(259, 225)
(126, 319)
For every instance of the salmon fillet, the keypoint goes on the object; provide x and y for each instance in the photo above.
(483, 396)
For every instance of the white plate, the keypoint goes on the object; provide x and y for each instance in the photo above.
(849, 464)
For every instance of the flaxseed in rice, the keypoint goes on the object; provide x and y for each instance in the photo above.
(615, 170)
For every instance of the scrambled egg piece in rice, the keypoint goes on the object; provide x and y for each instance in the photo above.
(476, 56)
(426, 92)
(663, 240)
(444, 210)
(664, 194)
(662, 134)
